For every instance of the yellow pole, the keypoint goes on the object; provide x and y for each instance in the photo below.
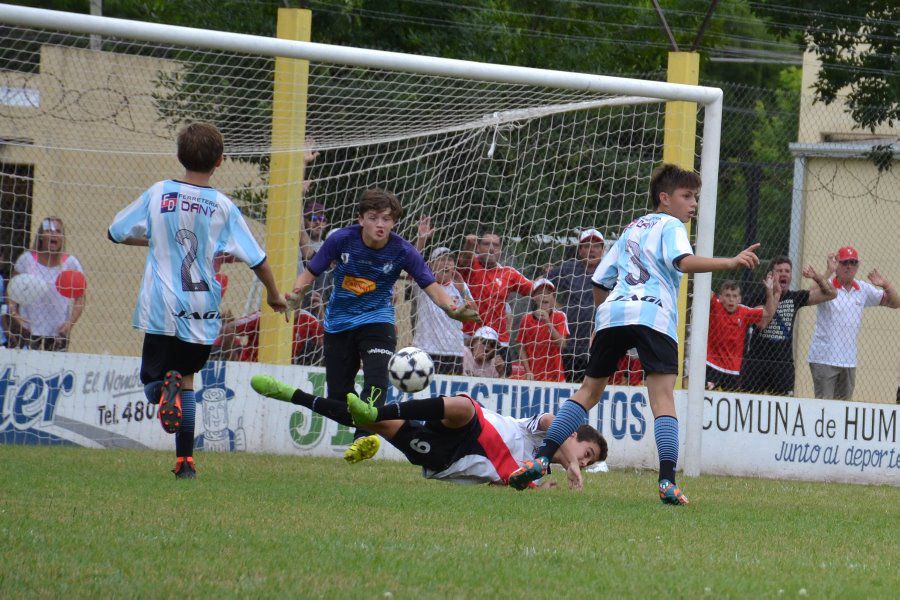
(285, 201)
(679, 143)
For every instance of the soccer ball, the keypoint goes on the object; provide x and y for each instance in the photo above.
(410, 369)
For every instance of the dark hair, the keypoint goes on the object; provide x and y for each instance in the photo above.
(729, 284)
(780, 260)
(668, 178)
(586, 433)
(199, 147)
(378, 200)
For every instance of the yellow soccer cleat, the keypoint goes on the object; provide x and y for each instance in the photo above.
(362, 449)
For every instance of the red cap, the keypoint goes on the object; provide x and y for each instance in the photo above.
(847, 253)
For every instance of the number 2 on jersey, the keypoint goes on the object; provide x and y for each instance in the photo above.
(186, 238)
(634, 251)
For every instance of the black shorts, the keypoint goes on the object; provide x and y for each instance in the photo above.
(164, 353)
(723, 381)
(372, 345)
(657, 351)
(435, 447)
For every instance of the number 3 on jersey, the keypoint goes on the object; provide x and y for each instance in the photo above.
(186, 238)
(634, 252)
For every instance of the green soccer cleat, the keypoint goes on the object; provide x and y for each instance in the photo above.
(669, 493)
(528, 472)
(363, 413)
(272, 388)
(362, 449)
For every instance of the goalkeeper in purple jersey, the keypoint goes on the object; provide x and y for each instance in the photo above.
(359, 318)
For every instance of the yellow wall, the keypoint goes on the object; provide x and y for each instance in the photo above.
(92, 102)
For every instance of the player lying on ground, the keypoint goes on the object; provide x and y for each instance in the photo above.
(459, 440)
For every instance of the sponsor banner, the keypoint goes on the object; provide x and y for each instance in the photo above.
(98, 401)
(793, 438)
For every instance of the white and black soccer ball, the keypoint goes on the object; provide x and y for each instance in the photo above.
(410, 369)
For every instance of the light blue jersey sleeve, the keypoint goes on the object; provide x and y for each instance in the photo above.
(239, 242)
(675, 243)
(607, 272)
(133, 221)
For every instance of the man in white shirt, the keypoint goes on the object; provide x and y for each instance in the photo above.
(832, 351)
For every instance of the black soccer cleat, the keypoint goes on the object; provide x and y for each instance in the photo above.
(170, 402)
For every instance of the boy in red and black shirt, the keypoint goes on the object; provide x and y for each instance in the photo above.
(542, 335)
(728, 323)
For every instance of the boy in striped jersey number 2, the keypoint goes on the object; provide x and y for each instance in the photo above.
(636, 293)
(185, 223)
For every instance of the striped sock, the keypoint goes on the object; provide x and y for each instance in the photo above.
(184, 437)
(571, 416)
(665, 429)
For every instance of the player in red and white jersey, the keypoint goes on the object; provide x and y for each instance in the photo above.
(452, 438)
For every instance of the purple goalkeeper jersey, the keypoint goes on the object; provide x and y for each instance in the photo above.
(364, 277)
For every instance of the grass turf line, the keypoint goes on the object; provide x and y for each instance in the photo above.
(116, 522)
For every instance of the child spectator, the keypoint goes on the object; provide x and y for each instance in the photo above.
(542, 335)
(728, 323)
(484, 359)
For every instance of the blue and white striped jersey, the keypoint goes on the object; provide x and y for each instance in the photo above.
(186, 226)
(642, 273)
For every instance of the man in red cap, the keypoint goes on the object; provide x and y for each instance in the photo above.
(832, 351)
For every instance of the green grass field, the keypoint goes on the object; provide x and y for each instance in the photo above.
(79, 523)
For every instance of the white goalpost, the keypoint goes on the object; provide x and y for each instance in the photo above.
(536, 155)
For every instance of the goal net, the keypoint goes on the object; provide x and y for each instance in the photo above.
(88, 122)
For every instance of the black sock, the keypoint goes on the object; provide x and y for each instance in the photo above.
(547, 450)
(427, 409)
(184, 437)
(667, 470)
(336, 410)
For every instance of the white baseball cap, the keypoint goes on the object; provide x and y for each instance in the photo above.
(542, 282)
(487, 333)
(590, 233)
(439, 252)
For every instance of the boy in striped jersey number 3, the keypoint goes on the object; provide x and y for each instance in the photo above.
(636, 291)
(185, 223)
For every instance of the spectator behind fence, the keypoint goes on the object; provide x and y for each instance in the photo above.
(436, 333)
(312, 234)
(768, 365)
(542, 335)
(728, 324)
(46, 324)
(484, 359)
(832, 351)
(490, 283)
(576, 296)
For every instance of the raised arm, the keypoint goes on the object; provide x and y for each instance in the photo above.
(891, 298)
(467, 255)
(823, 291)
(772, 298)
(424, 232)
